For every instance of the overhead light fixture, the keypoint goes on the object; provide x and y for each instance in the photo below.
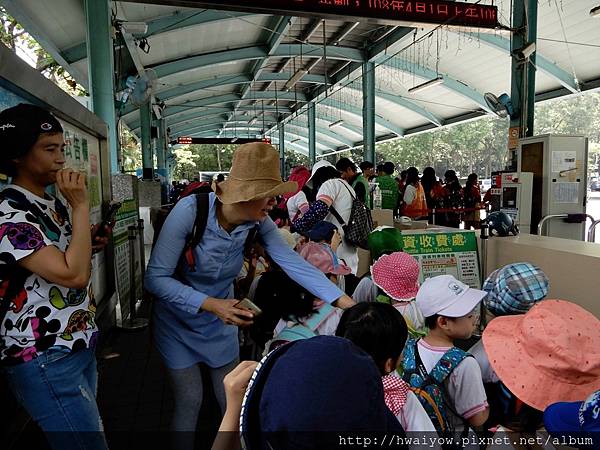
(134, 27)
(426, 85)
(338, 123)
(252, 121)
(595, 12)
(234, 140)
(295, 78)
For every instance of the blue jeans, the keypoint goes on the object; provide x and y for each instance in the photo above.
(58, 390)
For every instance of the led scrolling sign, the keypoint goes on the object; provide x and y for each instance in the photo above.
(431, 11)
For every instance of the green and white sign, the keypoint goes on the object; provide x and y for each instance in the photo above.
(442, 252)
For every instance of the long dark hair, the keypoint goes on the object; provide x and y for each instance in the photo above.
(412, 176)
(322, 175)
(428, 179)
(279, 297)
(471, 181)
(377, 328)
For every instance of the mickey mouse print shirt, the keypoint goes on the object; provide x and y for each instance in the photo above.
(35, 314)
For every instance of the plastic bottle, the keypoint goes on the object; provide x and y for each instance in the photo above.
(377, 197)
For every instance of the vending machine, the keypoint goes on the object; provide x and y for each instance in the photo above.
(559, 167)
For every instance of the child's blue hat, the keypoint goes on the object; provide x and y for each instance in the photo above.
(575, 418)
(322, 231)
(308, 393)
(514, 289)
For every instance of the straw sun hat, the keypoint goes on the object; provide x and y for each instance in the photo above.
(254, 175)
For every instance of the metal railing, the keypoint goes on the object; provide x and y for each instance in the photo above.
(592, 231)
(571, 218)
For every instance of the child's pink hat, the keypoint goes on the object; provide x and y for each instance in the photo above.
(549, 354)
(323, 258)
(398, 275)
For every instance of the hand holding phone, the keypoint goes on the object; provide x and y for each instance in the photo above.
(247, 304)
(109, 220)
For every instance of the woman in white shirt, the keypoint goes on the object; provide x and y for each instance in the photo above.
(334, 192)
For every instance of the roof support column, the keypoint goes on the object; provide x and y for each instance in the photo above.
(147, 155)
(312, 133)
(368, 70)
(524, 19)
(282, 148)
(161, 159)
(101, 70)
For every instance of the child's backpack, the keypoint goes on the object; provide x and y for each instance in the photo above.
(360, 223)
(430, 388)
(302, 329)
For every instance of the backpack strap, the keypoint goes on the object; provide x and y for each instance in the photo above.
(319, 317)
(294, 333)
(409, 361)
(336, 214)
(448, 362)
(194, 238)
(349, 191)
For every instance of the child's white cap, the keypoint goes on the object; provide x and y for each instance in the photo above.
(446, 296)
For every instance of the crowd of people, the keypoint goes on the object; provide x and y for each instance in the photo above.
(418, 196)
(258, 268)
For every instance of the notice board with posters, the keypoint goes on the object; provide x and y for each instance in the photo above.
(442, 251)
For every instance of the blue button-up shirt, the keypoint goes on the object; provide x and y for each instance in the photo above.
(185, 335)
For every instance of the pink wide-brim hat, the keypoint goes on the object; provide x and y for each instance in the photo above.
(550, 354)
(398, 275)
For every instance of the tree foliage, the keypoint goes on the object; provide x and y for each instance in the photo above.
(14, 36)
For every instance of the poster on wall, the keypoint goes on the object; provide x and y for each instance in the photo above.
(126, 216)
(442, 252)
(82, 153)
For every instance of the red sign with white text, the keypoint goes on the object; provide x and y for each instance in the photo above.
(430, 11)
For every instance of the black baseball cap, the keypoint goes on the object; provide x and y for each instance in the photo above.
(20, 127)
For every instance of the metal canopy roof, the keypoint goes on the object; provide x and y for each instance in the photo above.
(221, 73)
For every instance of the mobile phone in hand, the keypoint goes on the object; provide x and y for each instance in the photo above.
(247, 304)
(110, 218)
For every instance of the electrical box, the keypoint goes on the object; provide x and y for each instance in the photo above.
(559, 167)
(512, 193)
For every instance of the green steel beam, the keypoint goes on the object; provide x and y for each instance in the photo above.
(325, 133)
(220, 130)
(411, 106)
(255, 52)
(16, 10)
(346, 126)
(551, 69)
(312, 133)
(172, 22)
(290, 129)
(281, 130)
(357, 112)
(280, 28)
(227, 98)
(199, 113)
(100, 71)
(296, 146)
(272, 117)
(368, 111)
(147, 156)
(389, 45)
(449, 82)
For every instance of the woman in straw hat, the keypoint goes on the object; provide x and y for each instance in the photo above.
(195, 317)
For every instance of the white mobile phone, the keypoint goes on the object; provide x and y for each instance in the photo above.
(247, 304)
